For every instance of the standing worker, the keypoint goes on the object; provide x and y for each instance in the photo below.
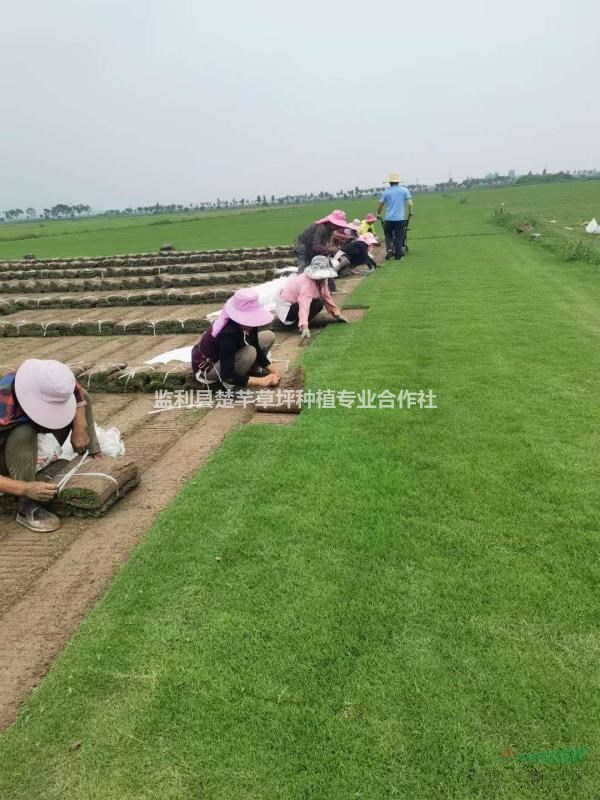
(395, 199)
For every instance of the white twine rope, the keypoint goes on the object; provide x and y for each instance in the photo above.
(100, 369)
(177, 368)
(45, 325)
(131, 322)
(72, 472)
(128, 374)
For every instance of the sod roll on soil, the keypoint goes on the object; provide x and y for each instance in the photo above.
(91, 490)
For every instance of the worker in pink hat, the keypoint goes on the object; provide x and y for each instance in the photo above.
(316, 240)
(42, 396)
(367, 225)
(233, 352)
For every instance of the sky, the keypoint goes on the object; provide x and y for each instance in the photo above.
(119, 103)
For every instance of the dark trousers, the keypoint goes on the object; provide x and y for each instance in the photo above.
(394, 236)
(315, 307)
(303, 257)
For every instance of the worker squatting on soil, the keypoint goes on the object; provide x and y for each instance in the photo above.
(40, 397)
(232, 351)
(303, 296)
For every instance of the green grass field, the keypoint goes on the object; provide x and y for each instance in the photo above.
(569, 203)
(367, 604)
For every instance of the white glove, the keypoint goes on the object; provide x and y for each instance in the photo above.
(304, 336)
(341, 318)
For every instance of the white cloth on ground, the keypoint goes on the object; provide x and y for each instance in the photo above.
(180, 354)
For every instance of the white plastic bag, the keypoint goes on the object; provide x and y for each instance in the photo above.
(111, 443)
(49, 449)
(592, 226)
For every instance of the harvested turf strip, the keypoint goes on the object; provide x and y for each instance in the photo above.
(96, 486)
(134, 282)
(141, 270)
(170, 377)
(156, 297)
(106, 327)
(286, 398)
(149, 259)
(97, 378)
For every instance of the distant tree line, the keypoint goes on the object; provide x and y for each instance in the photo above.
(64, 211)
(261, 200)
(495, 179)
(545, 177)
(59, 211)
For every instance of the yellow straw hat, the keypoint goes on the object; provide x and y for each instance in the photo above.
(394, 178)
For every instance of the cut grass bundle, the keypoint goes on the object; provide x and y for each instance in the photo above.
(70, 273)
(136, 282)
(285, 396)
(95, 487)
(149, 259)
(97, 377)
(155, 297)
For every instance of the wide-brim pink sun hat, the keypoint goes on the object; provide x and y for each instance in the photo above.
(44, 390)
(369, 239)
(336, 217)
(244, 308)
(371, 218)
